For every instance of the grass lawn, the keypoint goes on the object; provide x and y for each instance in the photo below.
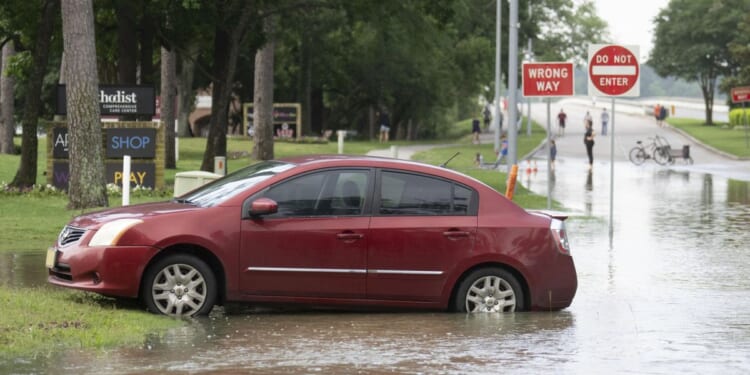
(721, 137)
(32, 221)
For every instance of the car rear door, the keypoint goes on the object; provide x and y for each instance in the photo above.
(422, 226)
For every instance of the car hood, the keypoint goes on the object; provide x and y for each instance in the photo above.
(140, 211)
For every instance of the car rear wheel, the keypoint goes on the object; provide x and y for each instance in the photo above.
(179, 285)
(489, 290)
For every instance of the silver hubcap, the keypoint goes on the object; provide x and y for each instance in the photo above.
(178, 290)
(490, 294)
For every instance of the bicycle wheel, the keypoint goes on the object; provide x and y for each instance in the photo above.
(661, 155)
(637, 155)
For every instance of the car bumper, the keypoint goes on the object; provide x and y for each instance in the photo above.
(558, 287)
(113, 271)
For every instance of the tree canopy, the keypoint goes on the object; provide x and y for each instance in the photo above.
(692, 41)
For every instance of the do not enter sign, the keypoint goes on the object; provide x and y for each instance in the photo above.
(614, 70)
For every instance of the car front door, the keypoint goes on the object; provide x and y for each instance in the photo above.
(421, 227)
(316, 244)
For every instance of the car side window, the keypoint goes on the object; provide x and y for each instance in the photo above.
(407, 194)
(327, 193)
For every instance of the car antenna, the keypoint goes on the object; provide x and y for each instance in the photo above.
(449, 160)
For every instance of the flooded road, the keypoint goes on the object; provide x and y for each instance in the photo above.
(671, 295)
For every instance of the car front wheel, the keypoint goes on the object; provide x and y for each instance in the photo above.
(179, 285)
(489, 290)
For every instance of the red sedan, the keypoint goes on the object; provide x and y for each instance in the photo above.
(324, 231)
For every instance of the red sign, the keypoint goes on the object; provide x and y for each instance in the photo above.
(613, 70)
(548, 79)
(741, 94)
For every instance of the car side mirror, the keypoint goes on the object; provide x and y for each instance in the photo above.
(263, 206)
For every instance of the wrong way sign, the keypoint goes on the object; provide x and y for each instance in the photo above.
(740, 94)
(547, 79)
(614, 70)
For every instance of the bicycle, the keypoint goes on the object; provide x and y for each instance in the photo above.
(658, 150)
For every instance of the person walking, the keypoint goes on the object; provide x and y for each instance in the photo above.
(588, 140)
(385, 126)
(561, 118)
(657, 114)
(587, 118)
(476, 130)
(502, 154)
(605, 120)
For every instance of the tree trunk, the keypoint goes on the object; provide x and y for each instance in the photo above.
(127, 43)
(217, 131)
(167, 105)
(147, 50)
(7, 109)
(26, 174)
(226, 51)
(263, 101)
(306, 80)
(87, 185)
(708, 85)
(185, 95)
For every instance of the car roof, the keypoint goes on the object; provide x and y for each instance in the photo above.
(322, 161)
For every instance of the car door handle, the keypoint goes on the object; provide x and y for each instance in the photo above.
(455, 234)
(350, 236)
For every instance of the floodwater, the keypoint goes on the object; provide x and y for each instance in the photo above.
(670, 295)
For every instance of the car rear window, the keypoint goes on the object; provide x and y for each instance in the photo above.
(411, 194)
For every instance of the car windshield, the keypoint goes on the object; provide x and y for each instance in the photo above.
(224, 188)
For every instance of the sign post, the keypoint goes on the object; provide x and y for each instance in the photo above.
(742, 95)
(548, 79)
(614, 71)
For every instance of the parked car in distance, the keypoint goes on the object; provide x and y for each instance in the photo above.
(324, 231)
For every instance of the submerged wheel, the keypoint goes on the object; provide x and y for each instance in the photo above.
(489, 290)
(179, 285)
(637, 155)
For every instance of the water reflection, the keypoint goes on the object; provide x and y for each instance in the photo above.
(22, 269)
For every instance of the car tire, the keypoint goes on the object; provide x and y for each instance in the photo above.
(179, 285)
(489, 290)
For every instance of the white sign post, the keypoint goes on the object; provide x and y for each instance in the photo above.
(613, 71)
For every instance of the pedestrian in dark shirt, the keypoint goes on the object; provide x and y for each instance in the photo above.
(476, 130)
(588, 140)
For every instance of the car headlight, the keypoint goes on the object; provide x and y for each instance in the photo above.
(111, 232)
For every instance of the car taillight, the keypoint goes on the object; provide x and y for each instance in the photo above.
(557, 227)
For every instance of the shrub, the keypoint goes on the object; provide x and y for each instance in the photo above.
(739, 116)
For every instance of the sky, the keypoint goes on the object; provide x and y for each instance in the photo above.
(631, 21)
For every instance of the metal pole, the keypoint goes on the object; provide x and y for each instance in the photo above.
(528, 100)
(549, 155)
(498, 73)
(744, 115)
(612, 176)
(512, 83)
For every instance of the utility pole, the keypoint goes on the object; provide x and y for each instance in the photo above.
(528, 100)
(498, 74)
(513, 83)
